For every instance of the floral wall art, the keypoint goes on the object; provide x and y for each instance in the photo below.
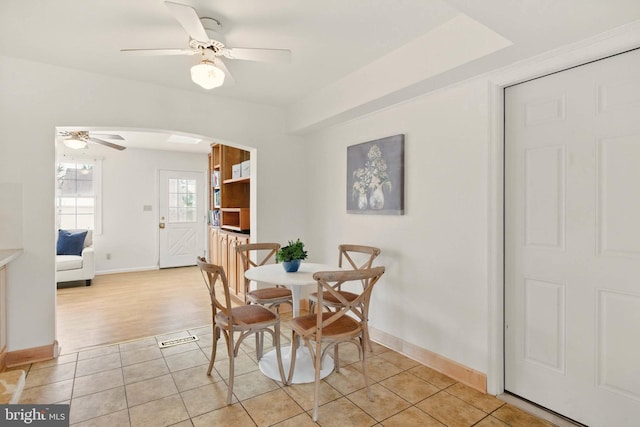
(375, 177)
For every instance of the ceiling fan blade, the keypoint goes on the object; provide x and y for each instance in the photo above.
(228, 78)
(282, 56)
(108, 144)
(110, 136)
(159, 52)
(188, 18)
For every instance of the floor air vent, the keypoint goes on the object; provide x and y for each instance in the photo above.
(178, 341)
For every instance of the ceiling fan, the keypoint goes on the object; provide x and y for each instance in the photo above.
(210, 72)
(79, 139)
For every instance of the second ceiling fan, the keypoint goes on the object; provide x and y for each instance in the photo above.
(78, 139)
(211, 71)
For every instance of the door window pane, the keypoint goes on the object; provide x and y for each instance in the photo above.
(182, 200)
(191, 214)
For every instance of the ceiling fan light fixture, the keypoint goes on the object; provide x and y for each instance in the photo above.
(74, 143)
(207, 75)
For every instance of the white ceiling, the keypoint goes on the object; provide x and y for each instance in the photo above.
(329, 39)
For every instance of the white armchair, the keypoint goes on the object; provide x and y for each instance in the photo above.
(73, 267)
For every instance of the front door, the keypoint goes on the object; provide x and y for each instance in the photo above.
(181, 220)
(572, 241)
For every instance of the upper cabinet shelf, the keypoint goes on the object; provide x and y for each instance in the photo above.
(229, 194)
(244, 179)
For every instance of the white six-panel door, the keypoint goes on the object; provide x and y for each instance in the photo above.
(572, 241)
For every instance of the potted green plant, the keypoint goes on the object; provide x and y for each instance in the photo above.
(291, 255)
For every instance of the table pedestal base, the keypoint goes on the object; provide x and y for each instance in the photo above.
(304, 370)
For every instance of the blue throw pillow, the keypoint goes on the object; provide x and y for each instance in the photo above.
(70, 243)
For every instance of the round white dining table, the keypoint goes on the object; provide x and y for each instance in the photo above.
(275, 274)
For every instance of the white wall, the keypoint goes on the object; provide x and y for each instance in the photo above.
(35, 98)
(435, 288)
(10, 215)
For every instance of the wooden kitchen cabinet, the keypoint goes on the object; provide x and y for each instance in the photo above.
(222, 252)
(235, 266)
(229, 212)
(214, 245)
(3, 317)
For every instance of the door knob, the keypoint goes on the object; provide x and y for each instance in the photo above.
(162, 225)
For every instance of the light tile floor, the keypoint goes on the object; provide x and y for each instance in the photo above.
(137, 384)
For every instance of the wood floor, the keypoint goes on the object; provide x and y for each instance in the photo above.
(126, 306)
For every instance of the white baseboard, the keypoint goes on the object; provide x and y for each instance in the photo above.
(127, 270)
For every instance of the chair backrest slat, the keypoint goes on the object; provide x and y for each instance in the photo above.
(357, 257)
(264, 253)
(328, 281)
(211, 273)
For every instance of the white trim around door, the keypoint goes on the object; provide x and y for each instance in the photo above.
(606, 44)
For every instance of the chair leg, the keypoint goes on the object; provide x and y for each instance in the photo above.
(365, 329)
(259, 344)
(216, 335)
(88, 282)
(279, 352)
(232, 357)
(336, 358)
(318, 366)
(365, 369)
(367, 339)
(293, 357)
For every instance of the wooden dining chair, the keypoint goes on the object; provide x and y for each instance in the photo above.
(271, 297)
(244, 320)
(356, 257)
(323, 331)
(264, 253)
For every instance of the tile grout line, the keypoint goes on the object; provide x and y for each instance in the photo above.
(124, 385)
